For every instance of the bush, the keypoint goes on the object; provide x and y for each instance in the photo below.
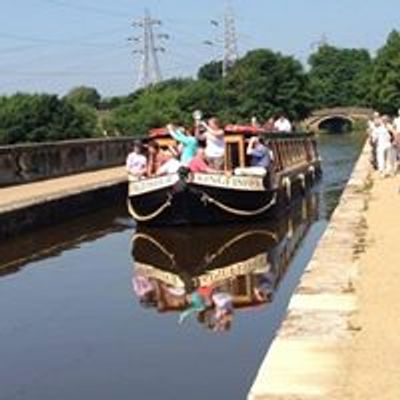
(39, 118)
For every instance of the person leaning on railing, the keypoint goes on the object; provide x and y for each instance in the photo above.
(261, 158)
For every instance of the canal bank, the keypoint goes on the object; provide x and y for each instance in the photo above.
(309, 353)
(39, 204)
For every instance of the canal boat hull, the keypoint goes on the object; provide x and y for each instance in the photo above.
(234, 195)
(207, 199)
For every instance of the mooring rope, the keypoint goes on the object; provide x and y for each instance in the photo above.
(149, 217)
(154, 242)
(243, 213)
(236, 239)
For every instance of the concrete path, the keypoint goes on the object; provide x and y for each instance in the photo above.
(374, 360)
(307, 360)
(17, 197)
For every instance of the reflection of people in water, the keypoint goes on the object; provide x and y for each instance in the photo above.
(145, 290)
(197, 304)
(213, 308)
(213, 305)
(239, 269)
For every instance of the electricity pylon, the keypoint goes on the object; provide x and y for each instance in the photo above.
(227, 39)
(148, 49)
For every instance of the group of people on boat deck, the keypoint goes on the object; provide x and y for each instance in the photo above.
(280, 124)
(201, 151)
(384, 138)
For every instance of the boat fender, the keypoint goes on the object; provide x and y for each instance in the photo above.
(287, 183)
(302, 179)
(311, 170)
(267, 181)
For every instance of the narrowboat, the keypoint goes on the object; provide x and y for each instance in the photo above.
(247, 260)
(188, 198)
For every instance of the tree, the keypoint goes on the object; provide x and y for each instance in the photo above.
(38, 118)
(339, 77)
(264, 84)
(84, 95)
(211, 72)
(385, 81)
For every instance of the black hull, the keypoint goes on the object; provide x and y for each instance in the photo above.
(188, 204)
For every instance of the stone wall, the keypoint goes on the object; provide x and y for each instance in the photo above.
(33, 162)
(305, 357)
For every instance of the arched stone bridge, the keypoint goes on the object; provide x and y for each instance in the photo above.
(339, 117)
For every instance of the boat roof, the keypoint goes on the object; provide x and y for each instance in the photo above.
(237, 129)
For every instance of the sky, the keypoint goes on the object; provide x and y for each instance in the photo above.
(55, 45)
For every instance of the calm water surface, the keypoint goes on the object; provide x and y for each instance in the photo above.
(71, 326)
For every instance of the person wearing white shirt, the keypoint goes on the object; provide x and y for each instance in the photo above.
(282, 124)
(136, 162)
(215, 144)
(171, 166)
(383, 142)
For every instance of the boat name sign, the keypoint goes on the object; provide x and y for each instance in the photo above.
(143, 186)
(247, 183)
(256, 265)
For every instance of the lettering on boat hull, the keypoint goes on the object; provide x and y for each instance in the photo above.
(144, 186)
(255, 265)
(244, 183)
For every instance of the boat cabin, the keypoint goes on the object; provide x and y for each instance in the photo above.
(290, 150)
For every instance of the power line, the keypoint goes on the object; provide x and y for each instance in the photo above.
(146, 45)
(47, 41)
(87, 8)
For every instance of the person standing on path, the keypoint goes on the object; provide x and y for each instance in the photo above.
(383, 142)
(396, 140)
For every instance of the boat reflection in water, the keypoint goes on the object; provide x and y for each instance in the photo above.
(212, 272)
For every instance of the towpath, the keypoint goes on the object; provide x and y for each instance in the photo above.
(374, 359)
(341, 337)
(21, 196)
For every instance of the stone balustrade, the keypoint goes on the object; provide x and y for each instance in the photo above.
(33, 162)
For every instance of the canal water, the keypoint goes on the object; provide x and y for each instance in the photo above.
(94, 309)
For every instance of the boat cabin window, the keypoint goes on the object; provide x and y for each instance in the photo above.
(234, 152)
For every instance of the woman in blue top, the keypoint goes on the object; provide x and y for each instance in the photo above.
(189, 143)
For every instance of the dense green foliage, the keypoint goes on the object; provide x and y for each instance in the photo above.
(211, 72)
(265, 84)
(168, 101)
(38, 118)
(385, 80)
(84, 95)
(262, 84)
(338, 77)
